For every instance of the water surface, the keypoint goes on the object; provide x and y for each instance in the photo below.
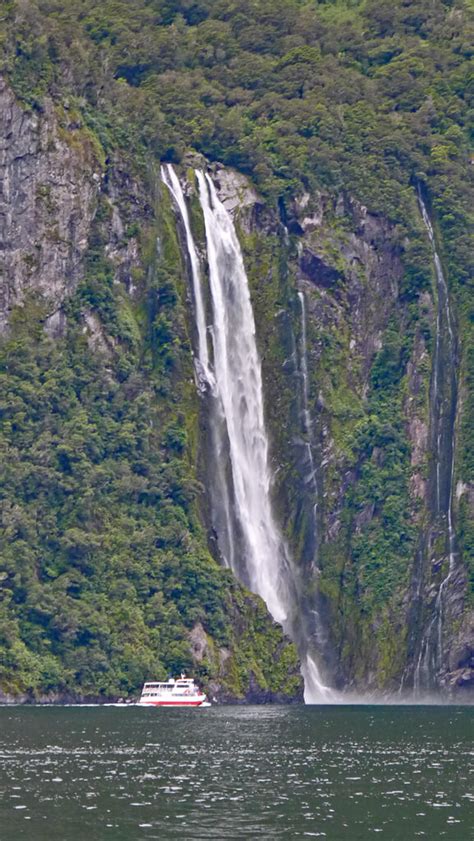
(93, 773)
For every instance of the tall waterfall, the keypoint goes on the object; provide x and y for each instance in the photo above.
(239, 385)
(230, 379)
(238, 378)
(205, 378)
(442, 427)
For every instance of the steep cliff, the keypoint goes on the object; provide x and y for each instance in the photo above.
(45, 208)
(105, 575)
(355, 485)
(385, 542)
(326, 128)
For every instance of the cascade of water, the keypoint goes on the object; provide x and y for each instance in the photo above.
(315, 691)
(311, 482)
(239, 383)
(442, 423)
(205, 377)
(304, 366)
(306, 415)
(238, 379)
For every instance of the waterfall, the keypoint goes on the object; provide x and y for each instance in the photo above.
(230, 380)
(239, 393)
(304, 367)
(442, 427)
(306, 415)
(318, 629)
(239, 384)
(205, 378)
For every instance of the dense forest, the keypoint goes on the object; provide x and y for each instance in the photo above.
(107, 568)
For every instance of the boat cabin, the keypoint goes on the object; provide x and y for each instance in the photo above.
(181, 686)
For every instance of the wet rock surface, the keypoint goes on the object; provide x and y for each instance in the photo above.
(352, 278)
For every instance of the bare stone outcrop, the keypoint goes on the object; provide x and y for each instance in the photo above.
(49, 180)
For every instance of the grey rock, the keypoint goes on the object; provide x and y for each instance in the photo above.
(48, 190)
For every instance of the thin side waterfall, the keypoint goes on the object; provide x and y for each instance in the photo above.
(205, 377)
(304, 366)
(238, 378)
(310, 477)
(442, 424)
(306, 415)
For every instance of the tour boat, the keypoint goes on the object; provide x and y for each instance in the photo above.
(181, 692)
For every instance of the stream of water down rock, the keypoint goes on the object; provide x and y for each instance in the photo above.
(248, 536)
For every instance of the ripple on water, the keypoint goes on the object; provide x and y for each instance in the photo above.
(237, 773)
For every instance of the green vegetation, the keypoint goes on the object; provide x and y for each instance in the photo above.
(104, 569)
(378, 512)
(104, 548)
(361, 96)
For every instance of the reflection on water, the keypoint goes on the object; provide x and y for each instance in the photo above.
(236, 772)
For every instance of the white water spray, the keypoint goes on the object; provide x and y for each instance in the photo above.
(238, 379)
(239, 385)
(205, 377)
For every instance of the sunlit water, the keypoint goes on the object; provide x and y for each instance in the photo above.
(84, 774)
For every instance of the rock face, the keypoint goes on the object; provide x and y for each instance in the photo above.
(347, 391)
(361, 272)
(356, 528)
(360, 295)
(45, 209)
(460, 668)
(53, 174)
(88, 250)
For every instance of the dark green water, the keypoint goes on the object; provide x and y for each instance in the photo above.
(89, 773)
